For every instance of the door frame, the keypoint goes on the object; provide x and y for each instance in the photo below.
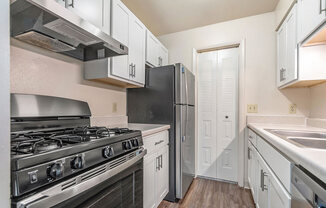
(241, 103)
(5, 104)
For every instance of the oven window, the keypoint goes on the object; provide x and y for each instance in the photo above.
(123, 190)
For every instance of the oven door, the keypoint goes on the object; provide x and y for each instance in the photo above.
(122, 190)
(118, 183)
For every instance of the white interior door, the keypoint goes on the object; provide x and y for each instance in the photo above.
(207, 138)
(217, 113)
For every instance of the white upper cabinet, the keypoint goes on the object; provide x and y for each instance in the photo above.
(281, 56)
(163, 56)
(120, 17)
(297, 65)
(156, 53)
(152, 53)
(113, 17)
(92, 11)
(312, 13)
(137, 37)
(287, 49)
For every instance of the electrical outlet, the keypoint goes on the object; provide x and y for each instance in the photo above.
(252, 108)
(292, 109)
(114, 108)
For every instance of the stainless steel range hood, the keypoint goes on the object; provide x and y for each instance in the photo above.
(47, 24)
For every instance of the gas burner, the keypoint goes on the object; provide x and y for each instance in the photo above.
(93, 132)
(47, 145)
(120, 130)
(37, 145)
(71, 139)
(98, 132)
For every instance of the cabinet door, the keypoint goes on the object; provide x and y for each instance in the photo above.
(291, 45)
(252, 170)
(151, 49)
(162, 179)
(163, 56)
(137, 39)
(281, 55)
(311, 15)
(263, 184)
(120, 16)
(150, 168)
(278, 196)
(96, 12)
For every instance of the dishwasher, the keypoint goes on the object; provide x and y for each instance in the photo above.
(307, 191)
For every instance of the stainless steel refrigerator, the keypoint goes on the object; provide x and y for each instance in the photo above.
(169, 98)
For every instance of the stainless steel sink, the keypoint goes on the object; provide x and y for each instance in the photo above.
(302, 138)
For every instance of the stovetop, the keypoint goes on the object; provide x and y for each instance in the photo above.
(36, 142)
(36, 147)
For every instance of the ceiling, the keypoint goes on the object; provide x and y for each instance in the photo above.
(168, 16)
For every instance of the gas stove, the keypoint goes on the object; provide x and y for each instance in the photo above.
(47, 149)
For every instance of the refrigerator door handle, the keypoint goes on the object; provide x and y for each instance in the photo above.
(186, 125)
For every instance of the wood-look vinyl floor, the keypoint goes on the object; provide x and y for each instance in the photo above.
(204, 193)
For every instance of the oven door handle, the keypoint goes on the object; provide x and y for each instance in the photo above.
(72, 187)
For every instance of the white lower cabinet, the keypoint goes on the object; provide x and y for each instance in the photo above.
(252, 163)
(267, 189)
(156, 169)
(150, 181)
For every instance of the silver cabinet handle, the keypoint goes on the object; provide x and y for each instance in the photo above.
(282, 74)
(69, 5)
(262, 180)
(134, 70)
(161, 161)
(130, 69)
(321, 9)
(249, 155)
(159, 142)
(157, 163)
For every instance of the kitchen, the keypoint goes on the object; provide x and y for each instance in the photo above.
(277, 83)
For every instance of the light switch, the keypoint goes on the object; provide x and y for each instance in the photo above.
(252, 108)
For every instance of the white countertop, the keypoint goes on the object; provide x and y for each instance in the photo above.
(314, 160)
(147, 129)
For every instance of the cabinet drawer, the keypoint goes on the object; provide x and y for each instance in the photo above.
(156, 141)
(252, 137)
(277, 162)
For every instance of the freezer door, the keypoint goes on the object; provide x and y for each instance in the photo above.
(185, 148)
(184, 85)
(190, 87)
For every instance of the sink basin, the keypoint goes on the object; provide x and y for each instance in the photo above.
(302, 138)
(293, 133)
(310, 143)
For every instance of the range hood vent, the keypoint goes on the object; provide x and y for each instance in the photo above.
(48, 25)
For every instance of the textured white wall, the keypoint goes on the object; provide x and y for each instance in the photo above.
(37, 71)
(4, 103)
(260, 59)
(318, 101)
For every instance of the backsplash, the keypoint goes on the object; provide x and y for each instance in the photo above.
(37, 71)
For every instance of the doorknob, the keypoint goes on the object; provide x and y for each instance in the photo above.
(226, 117)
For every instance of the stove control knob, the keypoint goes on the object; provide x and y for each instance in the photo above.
(126, 145)
(108, 152)
(56, 170)
(77, 163)
(134, 143)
